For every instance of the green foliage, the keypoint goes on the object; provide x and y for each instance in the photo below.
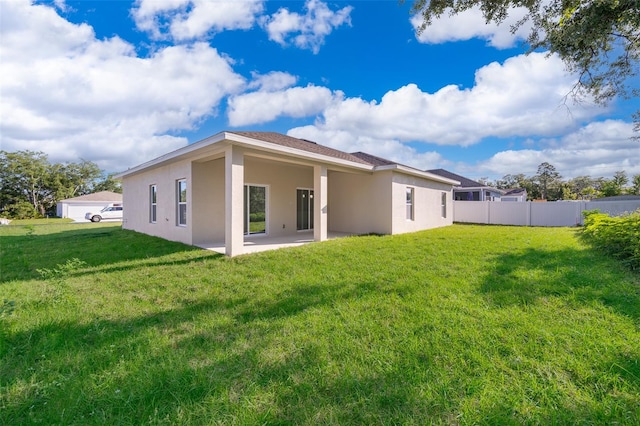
(459, 325)
(30, 186)
(257, 217)
(618, 236)
(597, 39)
(61, 271)
(22, 210)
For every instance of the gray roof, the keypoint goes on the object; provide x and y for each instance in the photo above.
(515, 191)
(464, 182)
(302, 144)
(372, 159)
(102, 196)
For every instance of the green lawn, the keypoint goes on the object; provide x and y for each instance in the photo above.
(459, 325)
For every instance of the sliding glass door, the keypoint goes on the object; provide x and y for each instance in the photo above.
(255, 209)
(304, 209)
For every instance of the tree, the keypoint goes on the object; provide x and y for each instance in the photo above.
(27, 178)
(582, 187)
(614, 186)
(599, 40)
(24, 177)
(108, 183)
(635, 188)
(548, 179)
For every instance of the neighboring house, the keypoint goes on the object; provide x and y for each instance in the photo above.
(517, 194)
(237, 184)
(75, 208)
(469, 190)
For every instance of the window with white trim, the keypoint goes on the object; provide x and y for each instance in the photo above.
(153, 203)
(410, 202)
(443, 202)
(181, 205)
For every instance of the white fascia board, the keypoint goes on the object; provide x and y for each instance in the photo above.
(419, 173)
(246, 142)
(219, 137)
(299, 153)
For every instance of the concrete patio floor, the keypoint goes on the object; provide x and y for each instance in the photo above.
(258, 243)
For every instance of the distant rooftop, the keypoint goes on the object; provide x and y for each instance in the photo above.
(464, 182)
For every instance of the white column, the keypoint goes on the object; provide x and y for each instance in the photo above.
(320, 203)
(234, 201)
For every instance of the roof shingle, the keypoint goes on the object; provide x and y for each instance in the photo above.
(302, 144)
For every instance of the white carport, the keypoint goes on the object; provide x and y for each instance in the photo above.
(75, 208)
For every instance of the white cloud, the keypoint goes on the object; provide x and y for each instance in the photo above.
(597, 149)
(273, 81)
(390, 149)
(306, 31)
(263, 106)
(522, 97)
(72, 96)
(471, 24)
(193, 19)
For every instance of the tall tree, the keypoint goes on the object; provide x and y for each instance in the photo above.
(635, 185)
(616, 185)
(27, 178)
(599, 40)
(548, 178)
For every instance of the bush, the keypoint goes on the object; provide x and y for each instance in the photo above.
(618, 236)
(21, 210)
(257, 217)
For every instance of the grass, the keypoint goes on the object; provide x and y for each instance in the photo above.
(459, 325)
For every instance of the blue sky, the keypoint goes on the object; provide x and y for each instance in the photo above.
(120, 83)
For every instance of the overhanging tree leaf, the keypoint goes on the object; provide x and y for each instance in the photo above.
(598, 40)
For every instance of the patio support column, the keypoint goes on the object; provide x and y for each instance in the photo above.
(320, 203)
(234, 201)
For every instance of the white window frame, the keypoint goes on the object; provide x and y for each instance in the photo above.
(247, 210)
(181, 221)
(153, 203)
(410, 195)
(443, 202)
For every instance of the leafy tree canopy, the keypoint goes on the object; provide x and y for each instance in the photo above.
(599, 40)
(30, 185)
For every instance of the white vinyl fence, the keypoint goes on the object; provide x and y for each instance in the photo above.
(559, 213)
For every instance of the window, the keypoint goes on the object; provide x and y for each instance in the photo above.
(304, 209)
(409, 203)
(181, 197)
(153, 203)
(255, 209)
(443, 202)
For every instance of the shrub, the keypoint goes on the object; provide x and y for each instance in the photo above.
(618, 236)
(21, 210)
(257, 217)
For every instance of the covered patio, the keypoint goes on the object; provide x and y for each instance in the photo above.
(255, 244)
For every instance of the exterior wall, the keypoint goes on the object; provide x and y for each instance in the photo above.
(136, 193)
(282, 181)
(359, 203)
(208, 201)
(427, 204)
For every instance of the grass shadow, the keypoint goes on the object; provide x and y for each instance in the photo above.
(584, 275)
(97, 247)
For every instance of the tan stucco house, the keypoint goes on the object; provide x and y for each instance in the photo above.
(237, 185)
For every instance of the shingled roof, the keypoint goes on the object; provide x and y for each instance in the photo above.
(302, 144)
(372, 159)
(464, 182)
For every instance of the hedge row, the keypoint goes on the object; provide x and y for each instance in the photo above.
(618, 236)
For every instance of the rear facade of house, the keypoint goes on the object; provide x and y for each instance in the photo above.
(241, 184)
